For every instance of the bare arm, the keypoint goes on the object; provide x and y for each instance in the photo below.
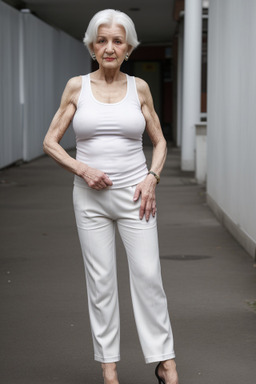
(147, 188)
(59, 125)
(154, 130)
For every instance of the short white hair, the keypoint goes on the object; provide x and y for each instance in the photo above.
(109, 17)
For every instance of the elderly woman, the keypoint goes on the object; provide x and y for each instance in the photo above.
(113, 187)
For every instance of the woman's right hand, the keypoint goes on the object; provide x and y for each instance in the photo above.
(95, 178)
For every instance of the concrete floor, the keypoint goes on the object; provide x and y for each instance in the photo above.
(45, 334)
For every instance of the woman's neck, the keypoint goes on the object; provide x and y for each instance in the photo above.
(109, 76)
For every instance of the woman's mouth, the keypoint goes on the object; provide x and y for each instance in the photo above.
(109, 58)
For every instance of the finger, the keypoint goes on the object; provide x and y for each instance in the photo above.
(102, 185)
(136, 194)
(101, 182)
(97, 184)
(148, 210)
(107, 180)
(142, 208)
(154, 208)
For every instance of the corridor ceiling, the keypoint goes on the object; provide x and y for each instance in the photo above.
(153, 18)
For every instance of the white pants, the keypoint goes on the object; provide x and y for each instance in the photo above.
(97, 214)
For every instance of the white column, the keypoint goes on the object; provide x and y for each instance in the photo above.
(191, 81)
(180, 82)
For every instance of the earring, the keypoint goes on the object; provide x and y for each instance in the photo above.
(126, 57)
(93, 56)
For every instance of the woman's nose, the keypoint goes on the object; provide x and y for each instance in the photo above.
(109, 47)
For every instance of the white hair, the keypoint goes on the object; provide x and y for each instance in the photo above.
(109, 17)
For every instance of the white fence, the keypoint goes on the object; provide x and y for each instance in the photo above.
(36, 62)
(231, 174)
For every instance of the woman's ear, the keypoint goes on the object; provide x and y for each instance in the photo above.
(91, 48)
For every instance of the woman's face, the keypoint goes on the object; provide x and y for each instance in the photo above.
(110, 47)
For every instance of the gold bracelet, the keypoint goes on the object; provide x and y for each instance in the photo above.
(156, 176)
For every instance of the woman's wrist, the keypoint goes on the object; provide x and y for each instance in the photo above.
(156, 176)
(81, 169)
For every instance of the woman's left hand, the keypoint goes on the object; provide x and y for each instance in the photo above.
(146, 189)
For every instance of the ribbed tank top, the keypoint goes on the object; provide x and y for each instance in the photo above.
(109, 135)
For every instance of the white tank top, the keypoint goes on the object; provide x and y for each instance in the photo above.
(109, 136)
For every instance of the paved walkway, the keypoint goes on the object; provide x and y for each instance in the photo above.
(45, 335)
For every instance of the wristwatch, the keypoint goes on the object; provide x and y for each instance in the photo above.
(156, 176)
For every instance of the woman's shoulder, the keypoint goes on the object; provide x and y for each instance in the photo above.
(142, 85)
(142, 89)
(74, 87)
(74, 84)
(72, 90)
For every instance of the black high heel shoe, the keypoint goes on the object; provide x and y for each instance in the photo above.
(160, 380)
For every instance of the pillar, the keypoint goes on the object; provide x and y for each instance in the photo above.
(180, 82)
(191, 81)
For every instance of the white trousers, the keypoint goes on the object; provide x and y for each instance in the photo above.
(97, 214)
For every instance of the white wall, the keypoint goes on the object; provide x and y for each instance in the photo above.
(231, 173)
(10, 108)
(38, 61)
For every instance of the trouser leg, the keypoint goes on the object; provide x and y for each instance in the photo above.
(148, 296)
(96, 234)
(97, 238)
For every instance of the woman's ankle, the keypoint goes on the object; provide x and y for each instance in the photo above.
(168, 364)
(108, 366)
(109, 372)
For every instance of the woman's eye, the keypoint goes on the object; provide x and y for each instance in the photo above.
(118, 42)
